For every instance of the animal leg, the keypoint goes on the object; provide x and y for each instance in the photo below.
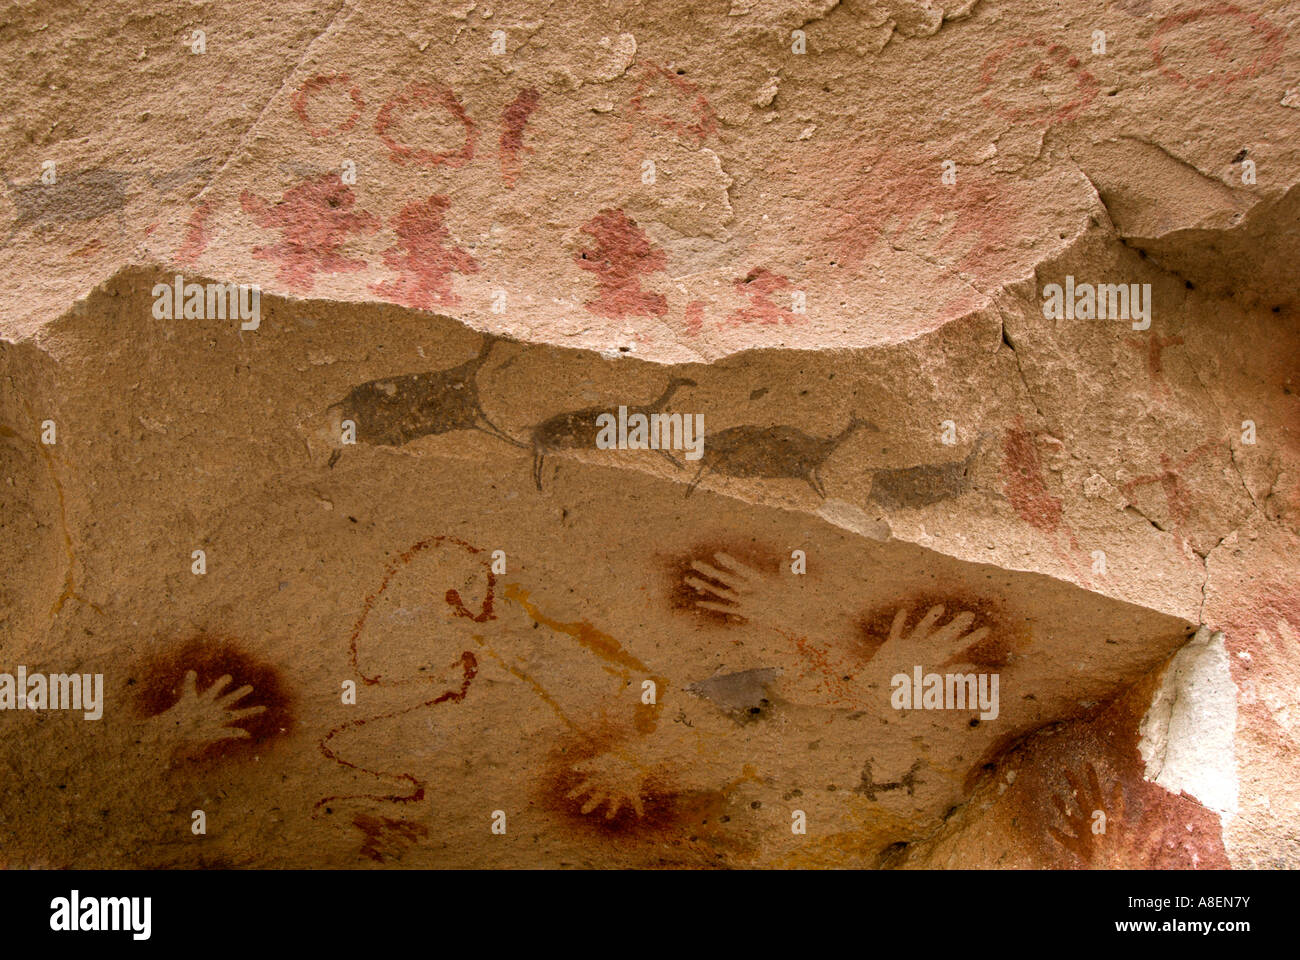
(669, 457)
(815, 482)
(538, 457)
(694, 483)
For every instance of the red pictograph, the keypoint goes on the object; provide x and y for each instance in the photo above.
(196, 235)
(303, 95)
(694, 317)
(1024, 484)
(1229, 35)
(425, 95)
(315, 219)
(513, 120)
(1154, 346)
(759, 286)
(696, 121)
(423, 258)
(1177, 496)
(623, 254)
(1067, 87)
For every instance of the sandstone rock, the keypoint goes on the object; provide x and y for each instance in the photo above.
(313, 320)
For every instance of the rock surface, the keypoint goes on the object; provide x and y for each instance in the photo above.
(375, 491)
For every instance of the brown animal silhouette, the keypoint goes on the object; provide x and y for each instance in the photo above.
(779, 452)
(73, 197)
(396, 410)
(578, 428)
(87, 194)
(925, 484)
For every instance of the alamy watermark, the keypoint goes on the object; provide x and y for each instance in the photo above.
(651, 431)
(75, 913)
(1102, 301)
(948, 691)
(56, 691)
(208, 301)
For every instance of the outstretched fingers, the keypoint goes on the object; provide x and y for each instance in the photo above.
(234, 716)
(703, 586)
(1066, 813)
(900, 621)
(1076, 788)
(954, 628)
(728, 608)
(1094, 783)
(972, 639)
(214, 691)
(734, 565)
(725, 577)
(231, 733)
(1061, 837)
(922, 631)
(1117, 801)
(229, 699)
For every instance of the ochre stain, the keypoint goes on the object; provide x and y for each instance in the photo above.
(676, 826)
(1023, 483)
(1093, 762)
(1260, 609)
(694, 317)
(884, 194)
(759, 286)
(541, 691)
(599, 643)
(69, 591)
(603, 646)
(1259, 620)
(872, 831)
(386, 838)
(835, 683)
(161, 675)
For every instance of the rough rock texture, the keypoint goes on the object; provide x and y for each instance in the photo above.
(476, 637)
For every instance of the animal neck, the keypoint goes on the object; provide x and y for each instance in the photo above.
(847, 432)
(472, 365)
(974, 452)
(663, 398)
(488, 342)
